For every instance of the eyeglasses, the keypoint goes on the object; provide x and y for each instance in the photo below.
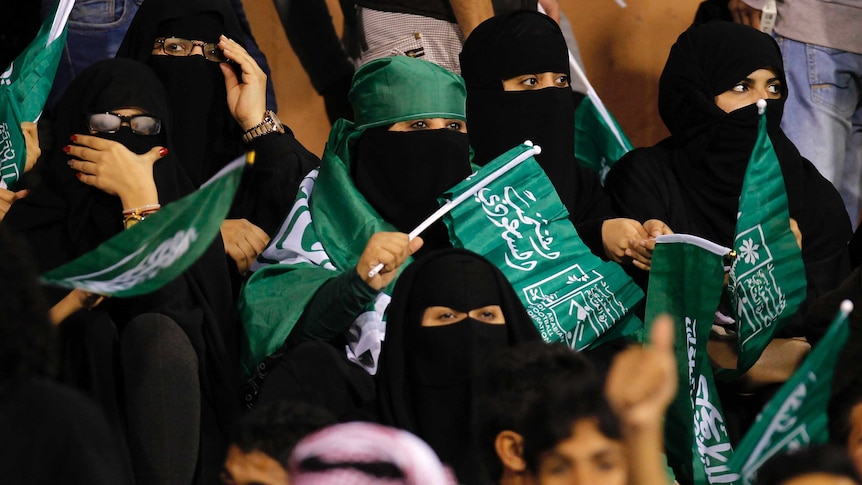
(111, 122)
(175, 46)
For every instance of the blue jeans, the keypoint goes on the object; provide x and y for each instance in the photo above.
(95, 30)
(823, 114)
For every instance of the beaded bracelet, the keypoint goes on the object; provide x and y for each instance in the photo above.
(133, 216)
(142, 209)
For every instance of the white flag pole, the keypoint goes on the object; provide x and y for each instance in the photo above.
(451, 204)
(62, 15)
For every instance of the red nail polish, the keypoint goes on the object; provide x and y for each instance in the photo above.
(163, 151)
(78, 174)
(67, 149)
(74, 137)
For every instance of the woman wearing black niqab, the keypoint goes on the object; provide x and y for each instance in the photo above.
(693, 179)
(177, 344)
(425, 375)
(500, 116)
(207, 130)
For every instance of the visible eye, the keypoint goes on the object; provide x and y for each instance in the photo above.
(774, 88)
(454, 126)
(492, 314)
(740, 87)
(419, 125)
(435, 316)
(530, 81)
(562, 81)
(554, 466)
(175, 46)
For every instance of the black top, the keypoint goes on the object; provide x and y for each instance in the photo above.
(438, 9)
(52, 434)
(693, 179)
(425, 373)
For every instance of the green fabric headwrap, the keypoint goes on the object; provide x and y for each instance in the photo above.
(401, 88)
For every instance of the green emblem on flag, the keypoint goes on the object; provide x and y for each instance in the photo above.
(686, 282)
(796, 416)
(153, 252)
(518, 222)
(24, 88)
(767, 278)
(598, 145)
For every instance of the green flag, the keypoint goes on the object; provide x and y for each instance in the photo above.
(519, 224)
(686, 282)
(796, 416)
(24, 88)
(153, 252)
(598, 145)
(767, 278)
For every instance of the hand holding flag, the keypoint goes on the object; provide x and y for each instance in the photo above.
(24, 88)
(451, 204)
(387, 250)
(150, 254)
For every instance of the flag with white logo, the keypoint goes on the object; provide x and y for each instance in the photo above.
(24, 88)
(796, 416)
(519, 223)
(599, 139)
(767, 278)
(158, 249)
(686, 282)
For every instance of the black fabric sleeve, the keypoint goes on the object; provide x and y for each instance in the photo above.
(269, 186)
(333, 308)
(590, 208)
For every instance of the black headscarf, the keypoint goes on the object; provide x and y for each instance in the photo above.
(528, 42)
(505, 46)
(64, 218)
(693, 179)
(425, 374)
(205, 134)
(714, 146)
(88, 214)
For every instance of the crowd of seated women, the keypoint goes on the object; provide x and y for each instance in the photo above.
(316, 307)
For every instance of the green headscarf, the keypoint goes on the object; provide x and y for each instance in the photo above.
(384, 91)
(393, 89)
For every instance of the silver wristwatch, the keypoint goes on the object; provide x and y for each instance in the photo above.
(270, 124)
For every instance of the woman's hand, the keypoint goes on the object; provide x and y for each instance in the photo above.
(246, 97)
(243, 242)
(7, 198)
(389, 248)
(113, 168)
(74, 301)
(794, 228)
(643, 381)
(622, 240)
(31, 144)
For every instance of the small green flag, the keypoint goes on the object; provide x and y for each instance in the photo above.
(158, 249)
(598, 145)
(767, 278)
(796, 416)
(24, 88)
(519, 224)
(686, 282)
